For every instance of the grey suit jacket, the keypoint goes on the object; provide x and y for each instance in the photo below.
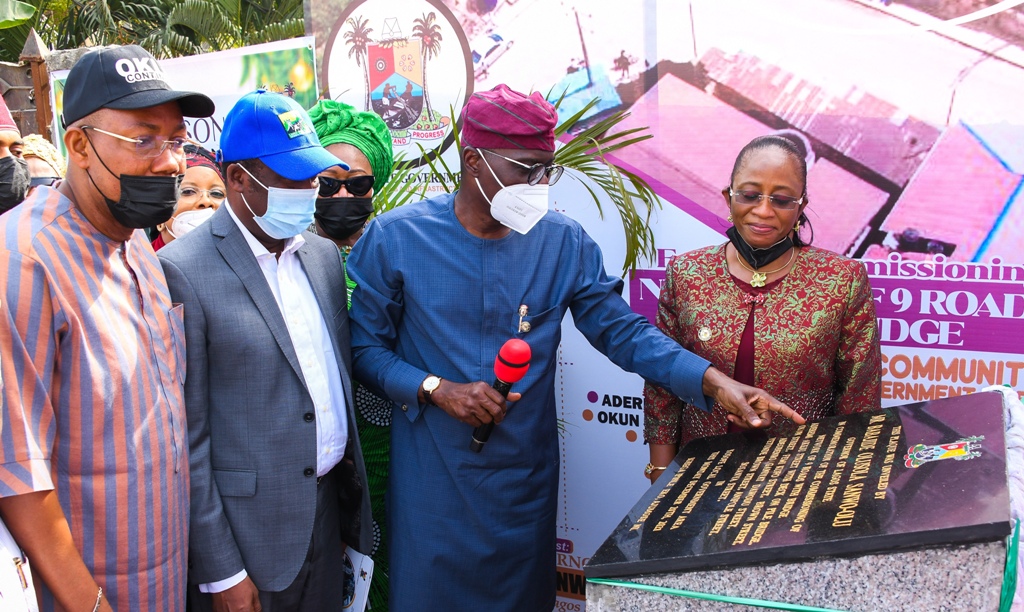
(252, 438)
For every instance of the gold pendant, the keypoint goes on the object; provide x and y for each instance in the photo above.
(758, 279)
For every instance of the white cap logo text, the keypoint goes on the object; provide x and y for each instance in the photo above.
(139, 69)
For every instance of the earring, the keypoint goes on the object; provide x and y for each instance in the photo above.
(729, 218)
(796, 228)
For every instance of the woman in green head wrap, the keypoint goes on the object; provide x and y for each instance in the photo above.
(346, 202)
(346, 197)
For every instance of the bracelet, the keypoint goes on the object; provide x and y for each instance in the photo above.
(99, 597)
(651, 468)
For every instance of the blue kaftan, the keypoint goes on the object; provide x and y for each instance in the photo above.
(477, 531)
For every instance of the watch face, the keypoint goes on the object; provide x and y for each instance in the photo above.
(431, 383)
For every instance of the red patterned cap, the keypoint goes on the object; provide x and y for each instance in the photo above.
(506, 119)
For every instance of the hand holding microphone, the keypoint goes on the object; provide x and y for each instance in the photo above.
(478, 403)
(510, 367)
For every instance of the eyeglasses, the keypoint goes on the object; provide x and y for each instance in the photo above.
(147, 146)
(191, 194)
(356, 185)
(781, 202)
(536, 171)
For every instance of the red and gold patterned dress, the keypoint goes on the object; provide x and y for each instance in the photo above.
(815, 339)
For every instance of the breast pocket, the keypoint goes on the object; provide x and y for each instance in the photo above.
(176, 318)
(534, 326)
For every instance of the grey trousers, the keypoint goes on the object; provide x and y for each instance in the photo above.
(320, 584)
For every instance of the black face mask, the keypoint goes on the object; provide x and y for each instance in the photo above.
(14, 182)
(146, 201)
(758, 257)
(342, 217)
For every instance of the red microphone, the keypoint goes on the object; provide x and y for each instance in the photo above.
(510, 366)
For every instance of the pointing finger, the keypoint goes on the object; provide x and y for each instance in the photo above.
(767, 402)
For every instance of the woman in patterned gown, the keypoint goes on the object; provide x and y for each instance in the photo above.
(767, 308)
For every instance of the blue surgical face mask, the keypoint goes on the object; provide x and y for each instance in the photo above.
(289, 211)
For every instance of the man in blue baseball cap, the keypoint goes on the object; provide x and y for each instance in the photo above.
(277, 470)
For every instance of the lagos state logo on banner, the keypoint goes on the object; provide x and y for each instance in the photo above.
(396, 84)
(406, 60)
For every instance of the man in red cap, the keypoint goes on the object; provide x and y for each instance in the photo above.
(441, 285)
(14, 174)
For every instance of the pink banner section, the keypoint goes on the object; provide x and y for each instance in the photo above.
(938, 304)
(949, 305)
(644, 289)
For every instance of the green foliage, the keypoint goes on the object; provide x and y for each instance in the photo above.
(103, 22)
(587, 151)
(197, 26)
(189, 24)
(166, 28)
(402, 188)
(14, 13)
(45, 15)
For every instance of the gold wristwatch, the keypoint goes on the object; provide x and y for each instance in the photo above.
(430, 384)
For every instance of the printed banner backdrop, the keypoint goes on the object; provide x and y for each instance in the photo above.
(909, 111)
(286, 66)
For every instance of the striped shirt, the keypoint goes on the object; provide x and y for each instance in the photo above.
(93, 368)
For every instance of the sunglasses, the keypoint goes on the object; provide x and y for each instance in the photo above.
(356, 185)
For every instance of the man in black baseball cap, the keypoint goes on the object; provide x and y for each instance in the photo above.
(94, 478)
(124, 78)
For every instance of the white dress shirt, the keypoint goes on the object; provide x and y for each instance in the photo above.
(312, 343)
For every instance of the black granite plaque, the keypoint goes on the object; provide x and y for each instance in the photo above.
(918, 475)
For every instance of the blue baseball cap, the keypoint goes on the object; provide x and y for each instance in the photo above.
(276, 130)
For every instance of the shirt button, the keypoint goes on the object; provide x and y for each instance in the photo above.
(405, 408)
(309, 417)
(308, 472)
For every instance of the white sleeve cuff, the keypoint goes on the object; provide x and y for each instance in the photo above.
(223, 585)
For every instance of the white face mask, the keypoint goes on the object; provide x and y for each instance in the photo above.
(518, 207)
(189, 220)
(289, 211)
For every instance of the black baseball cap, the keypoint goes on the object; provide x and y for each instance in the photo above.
(124, 78)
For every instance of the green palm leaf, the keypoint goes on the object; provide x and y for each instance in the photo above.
(401, 188)
(281, 30)
(205, 21)
(14, 13)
